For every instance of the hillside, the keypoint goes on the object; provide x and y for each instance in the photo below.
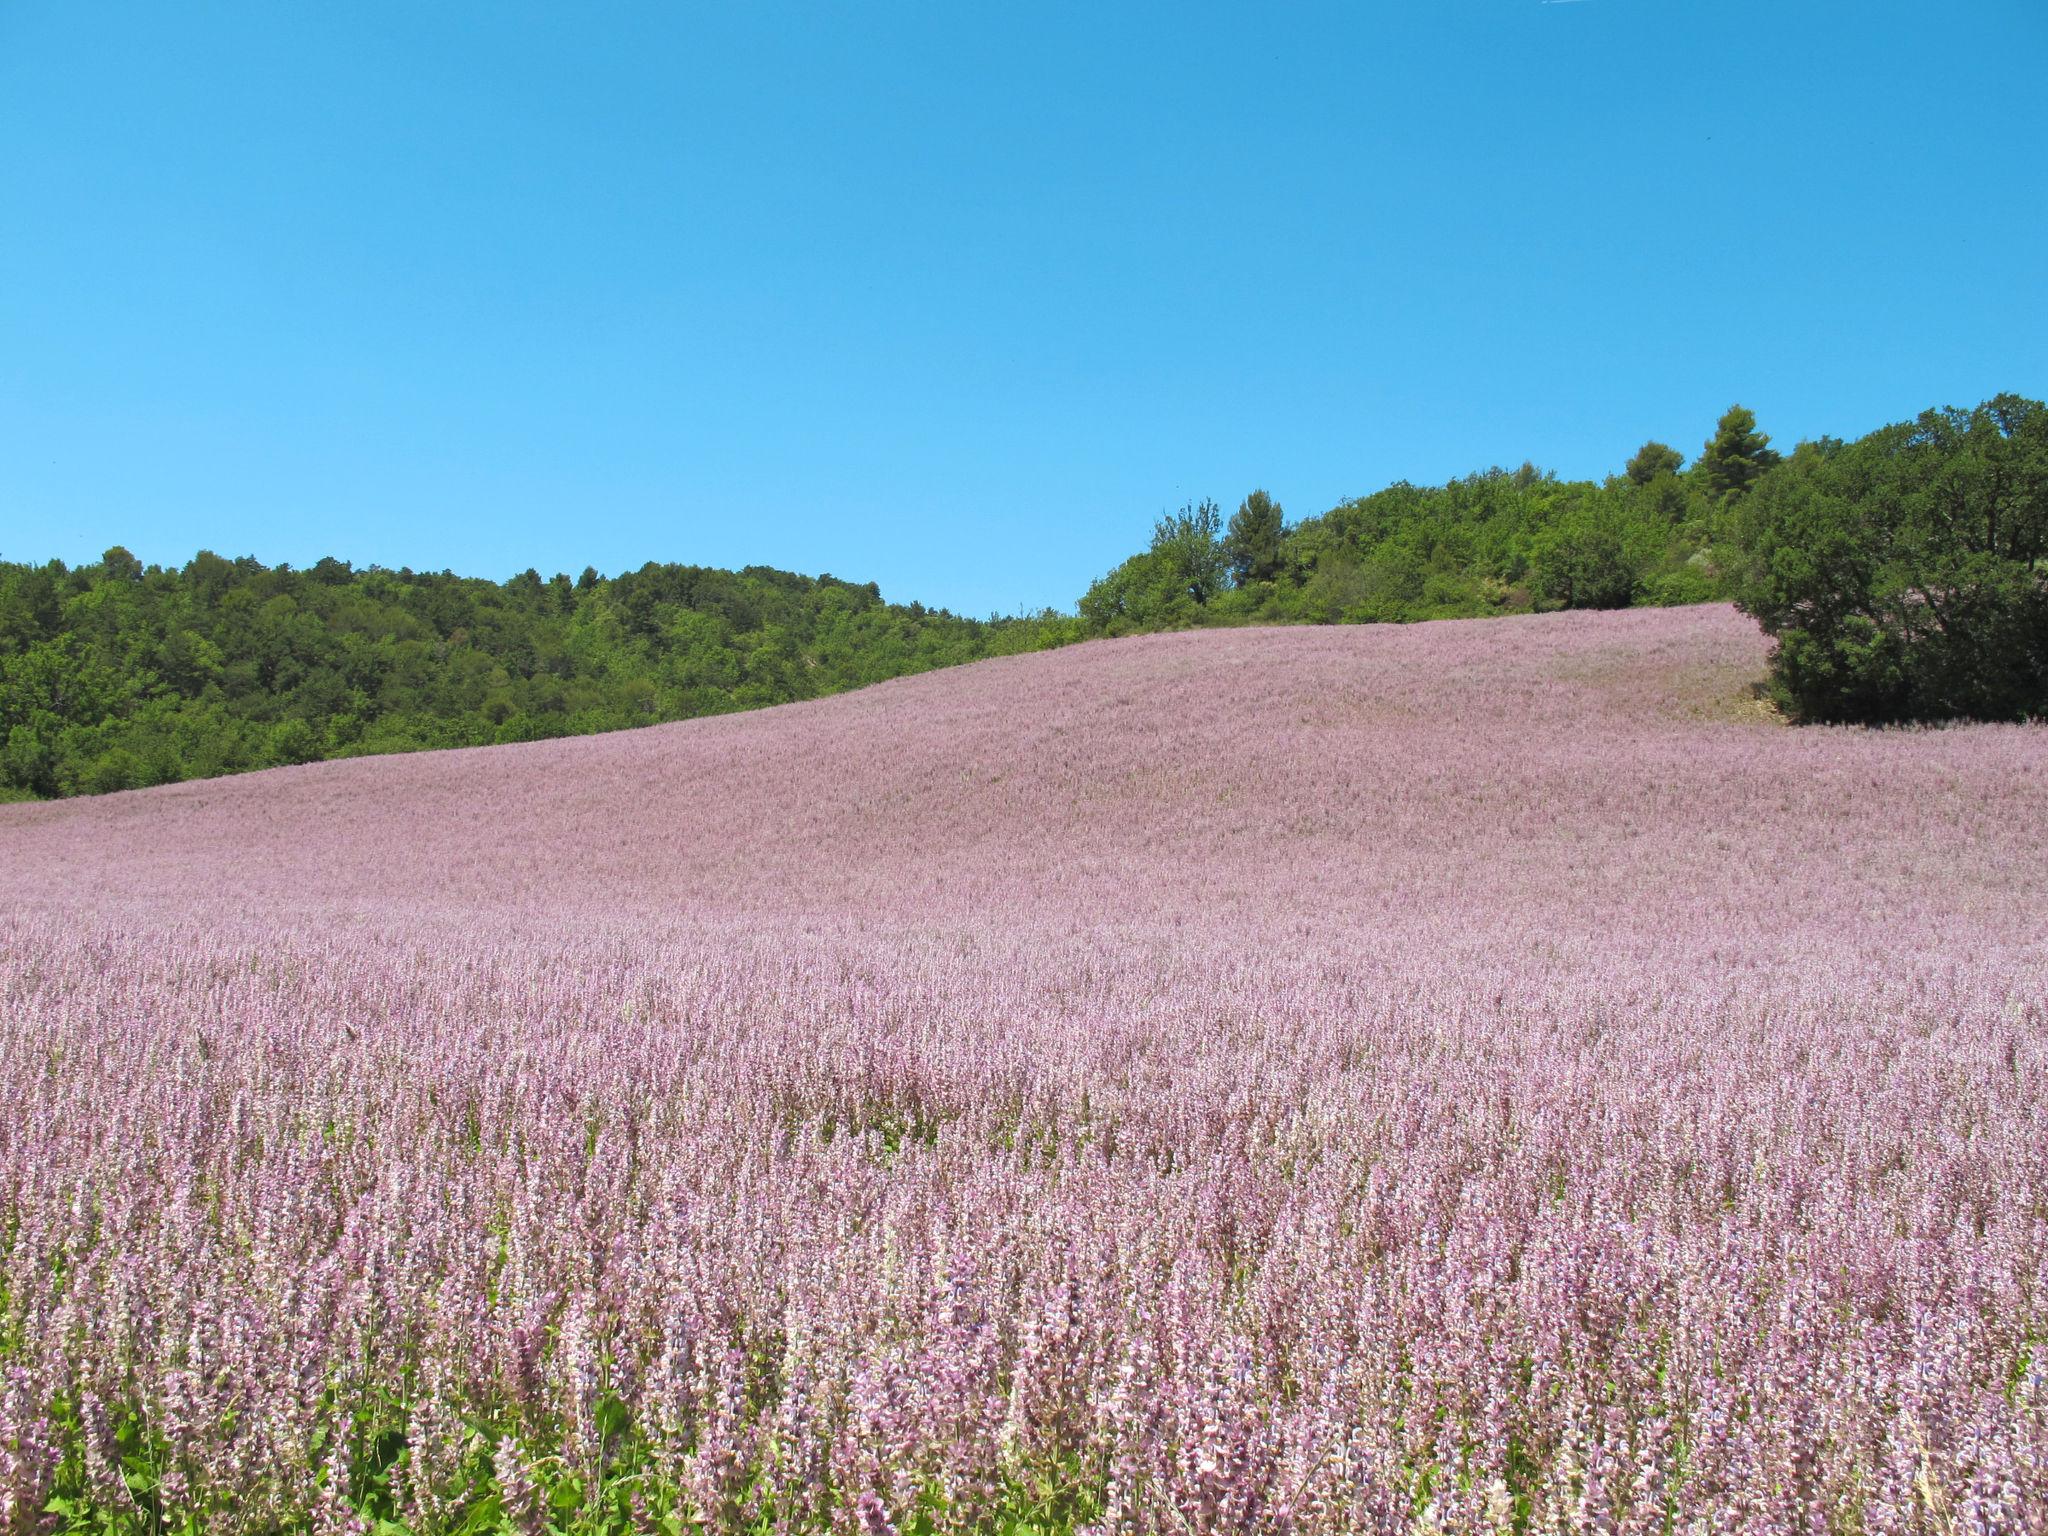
(1298, 1079)
(1290, 776)
(962, 748)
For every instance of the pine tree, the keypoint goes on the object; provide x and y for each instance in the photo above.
(1736, 456)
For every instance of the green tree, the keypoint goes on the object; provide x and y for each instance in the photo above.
(1252, 546)
(1654, 459)
(116, 675)
(1905, 575)
(1592, 558)
(292, 741)
(1190, 558)
(1170, 585)
(1736, 456)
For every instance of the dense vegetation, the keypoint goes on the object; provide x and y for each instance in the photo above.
(1905, 576)
(1504, 541)
(114, 676)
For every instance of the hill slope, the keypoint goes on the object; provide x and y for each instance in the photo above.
(1577, 761)
(1245, 1080)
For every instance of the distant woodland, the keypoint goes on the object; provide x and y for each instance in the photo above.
(115, 675)
(1904, 575)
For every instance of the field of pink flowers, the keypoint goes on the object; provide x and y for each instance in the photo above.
(1462, 1077)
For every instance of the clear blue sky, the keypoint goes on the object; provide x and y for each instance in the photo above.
(958, 297)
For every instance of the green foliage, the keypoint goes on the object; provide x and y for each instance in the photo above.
(1171, 585)
(1651, 460)
(495, 1478)
(1905, 575)
(116, 675)
(1593, 556)
(1251, 548)
(1736, 456)
(1504, 541)
(1190, 558)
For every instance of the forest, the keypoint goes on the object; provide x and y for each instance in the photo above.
(1904, 577)
(116, 675)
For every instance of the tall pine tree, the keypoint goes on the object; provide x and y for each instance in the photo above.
(1736, 456)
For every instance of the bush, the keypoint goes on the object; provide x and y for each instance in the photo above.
(1591, 559)
(116, 768)
(292, 742)
(1905, 576)
(1169, 585)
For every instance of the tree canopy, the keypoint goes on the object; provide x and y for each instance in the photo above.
(1651, 460)
(1736, 456)
(1251, 547)
(115, 675)
(1501, 541)
(1171, 583)
(1905, 575)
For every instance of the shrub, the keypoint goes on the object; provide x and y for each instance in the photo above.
(1905, 576)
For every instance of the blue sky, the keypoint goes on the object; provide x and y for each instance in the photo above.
(959, 297)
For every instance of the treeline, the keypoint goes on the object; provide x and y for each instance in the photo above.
(1503, 541)
(1904, 575)
(116, 675)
